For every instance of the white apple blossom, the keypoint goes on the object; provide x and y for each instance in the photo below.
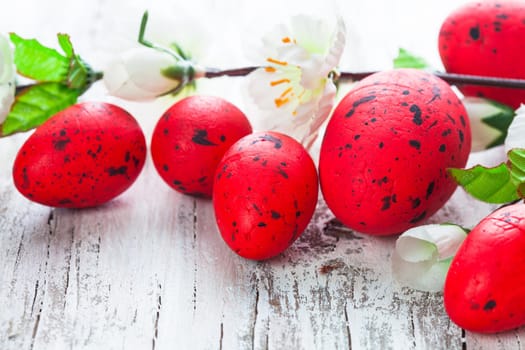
(423, 255)
(7, 78)
(516, 134)
(295, 87)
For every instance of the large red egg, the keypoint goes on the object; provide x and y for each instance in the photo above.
(265, 194)
(190, 139)
(385, 153)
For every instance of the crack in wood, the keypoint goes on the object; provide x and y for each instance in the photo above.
(77, 270)
(255, 313)
(68, 267)
(35, 330)
(194, 249)
(34, 297)
(157, 317)
(412, 327)
(347, 324)
(221, 335)
(36, 325)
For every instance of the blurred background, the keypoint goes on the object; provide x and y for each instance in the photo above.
(223, 34)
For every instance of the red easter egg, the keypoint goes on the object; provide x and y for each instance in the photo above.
(485, 285)
(81, 157)
(385, 153)
(190, 139)
(265, 194)
(486, 38)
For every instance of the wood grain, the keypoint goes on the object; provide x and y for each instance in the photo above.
(149, 270)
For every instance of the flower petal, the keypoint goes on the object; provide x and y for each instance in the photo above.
(515, 136)
(321, 114)
(425, 276)
(7, 78)
(422, 255)
(338, 45)
(295, 81)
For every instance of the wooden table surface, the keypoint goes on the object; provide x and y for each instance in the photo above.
(149, 270)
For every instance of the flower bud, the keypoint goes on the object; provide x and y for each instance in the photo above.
(144, 73)
(7, 78)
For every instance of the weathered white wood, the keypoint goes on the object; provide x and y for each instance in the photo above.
(149, 270)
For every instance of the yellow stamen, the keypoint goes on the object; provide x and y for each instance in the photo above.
(286, 40)
(273, 60)
(270, 69)
(281, 81)
(281, 101)
(286, 92)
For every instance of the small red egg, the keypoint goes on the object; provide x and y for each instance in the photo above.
(385, 153)
(190, 139)
(81, 157)
(264, 195)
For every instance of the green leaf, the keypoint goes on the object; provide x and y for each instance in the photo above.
(38, 62)
(406, 59)
(492, 185)
(36, 104)
(65, 44)
(517, 169)
(499, 121)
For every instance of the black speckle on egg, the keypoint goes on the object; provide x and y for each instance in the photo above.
(113, 171)
(386, 202)
(489, 305)
(417, 114)
(474, 33)
(415, 202)
(415, 143)
(200, 137)
(430, 189)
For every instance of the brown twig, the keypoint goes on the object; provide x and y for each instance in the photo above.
(451, 78)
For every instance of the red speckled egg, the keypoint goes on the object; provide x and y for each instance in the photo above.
(385, 153)
(265, 194)
(486, 38)
(81, 157)
(485, 283)
(190, 139)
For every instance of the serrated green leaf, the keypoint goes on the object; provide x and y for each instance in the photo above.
(38, 62)
(492, 185)
(517, 165)
(36, 104)
(65, 43)
(406, 59)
